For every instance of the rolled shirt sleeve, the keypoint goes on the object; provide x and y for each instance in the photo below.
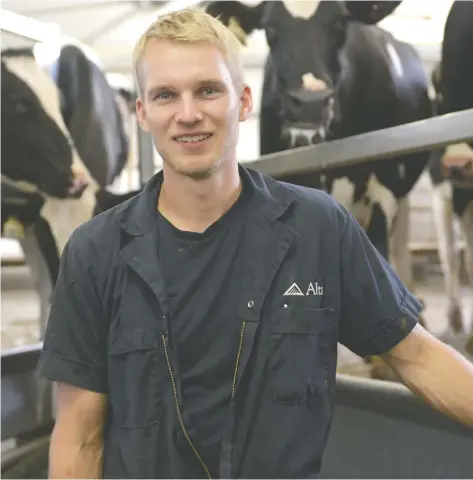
(377, 310)
(75, 348)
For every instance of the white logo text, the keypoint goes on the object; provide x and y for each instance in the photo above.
(313, 289)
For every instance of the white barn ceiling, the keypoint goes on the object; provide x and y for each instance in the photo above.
(110, 27)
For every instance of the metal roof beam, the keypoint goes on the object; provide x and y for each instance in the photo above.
(69, 7)
(27, 27)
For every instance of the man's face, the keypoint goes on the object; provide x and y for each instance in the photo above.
(190, 106)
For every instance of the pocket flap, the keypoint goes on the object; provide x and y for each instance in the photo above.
(127, 340)
(303, 321)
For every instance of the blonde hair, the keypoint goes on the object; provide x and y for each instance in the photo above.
(191, 25)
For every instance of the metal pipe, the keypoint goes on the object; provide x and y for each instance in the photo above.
(47, 35)
(70, 9)
(412, 137)
(16, 454)
(27, 27)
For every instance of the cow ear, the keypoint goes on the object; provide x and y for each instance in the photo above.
(370, 13)
(241, 19)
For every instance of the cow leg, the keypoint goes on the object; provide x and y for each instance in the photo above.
(378, 234)
(44, 286)
(400, 259)
(40, 273)
(399, 253)
(467, 225)
(448, 251)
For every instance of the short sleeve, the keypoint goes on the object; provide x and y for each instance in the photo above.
(377, 310)
(74, 348)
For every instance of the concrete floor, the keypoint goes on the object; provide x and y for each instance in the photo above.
(20, 310)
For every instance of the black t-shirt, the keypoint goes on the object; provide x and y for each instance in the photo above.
(202, 272)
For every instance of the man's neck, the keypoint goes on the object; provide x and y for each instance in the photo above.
(193, 205)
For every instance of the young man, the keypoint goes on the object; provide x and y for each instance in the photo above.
(177, 346)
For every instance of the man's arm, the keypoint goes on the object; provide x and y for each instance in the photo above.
(377, 310)
(75, 357)
(76, 449)
(379, 317)
(435, 372)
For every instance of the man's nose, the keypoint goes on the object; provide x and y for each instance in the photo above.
(189, 111)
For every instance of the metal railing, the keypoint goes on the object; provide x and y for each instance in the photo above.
(420, 136)
(381, 430)
(26, 398)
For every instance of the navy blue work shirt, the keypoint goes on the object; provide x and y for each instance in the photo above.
(311, 279)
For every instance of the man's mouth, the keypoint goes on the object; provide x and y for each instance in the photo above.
(193, 138)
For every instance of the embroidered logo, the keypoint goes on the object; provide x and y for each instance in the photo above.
(293, 290)
(313, 289)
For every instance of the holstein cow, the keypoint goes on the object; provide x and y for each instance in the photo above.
(328, 76)
(60, 148)
(451, 168)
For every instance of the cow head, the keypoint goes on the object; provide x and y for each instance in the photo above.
(306, 40)
(37, 151)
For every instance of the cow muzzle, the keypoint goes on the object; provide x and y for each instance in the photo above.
(309, 115)
(300, 136)
(457, 165)
(67, 186)
(79, 182)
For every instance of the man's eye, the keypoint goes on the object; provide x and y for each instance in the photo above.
(163, 96)
(209, 91)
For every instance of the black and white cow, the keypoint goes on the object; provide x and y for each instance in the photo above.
(451, 168)
(60, 148)
(328, 76)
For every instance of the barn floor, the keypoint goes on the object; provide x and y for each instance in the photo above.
(20, 310)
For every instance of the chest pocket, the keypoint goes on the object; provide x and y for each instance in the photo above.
(300, 354)
(136, 369)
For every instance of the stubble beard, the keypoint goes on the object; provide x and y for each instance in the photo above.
(206, 172)
(202, 173)
(196, 173)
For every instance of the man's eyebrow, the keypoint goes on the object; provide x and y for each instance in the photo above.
(212, 82)
(158, 88)
(208, 82)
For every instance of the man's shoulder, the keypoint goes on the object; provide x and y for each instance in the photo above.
(311, 197)
(311, 201)
(102, 232)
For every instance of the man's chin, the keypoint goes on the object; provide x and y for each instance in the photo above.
(200, 172)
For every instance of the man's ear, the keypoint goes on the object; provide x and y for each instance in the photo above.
(246, 103)
(141, 114)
